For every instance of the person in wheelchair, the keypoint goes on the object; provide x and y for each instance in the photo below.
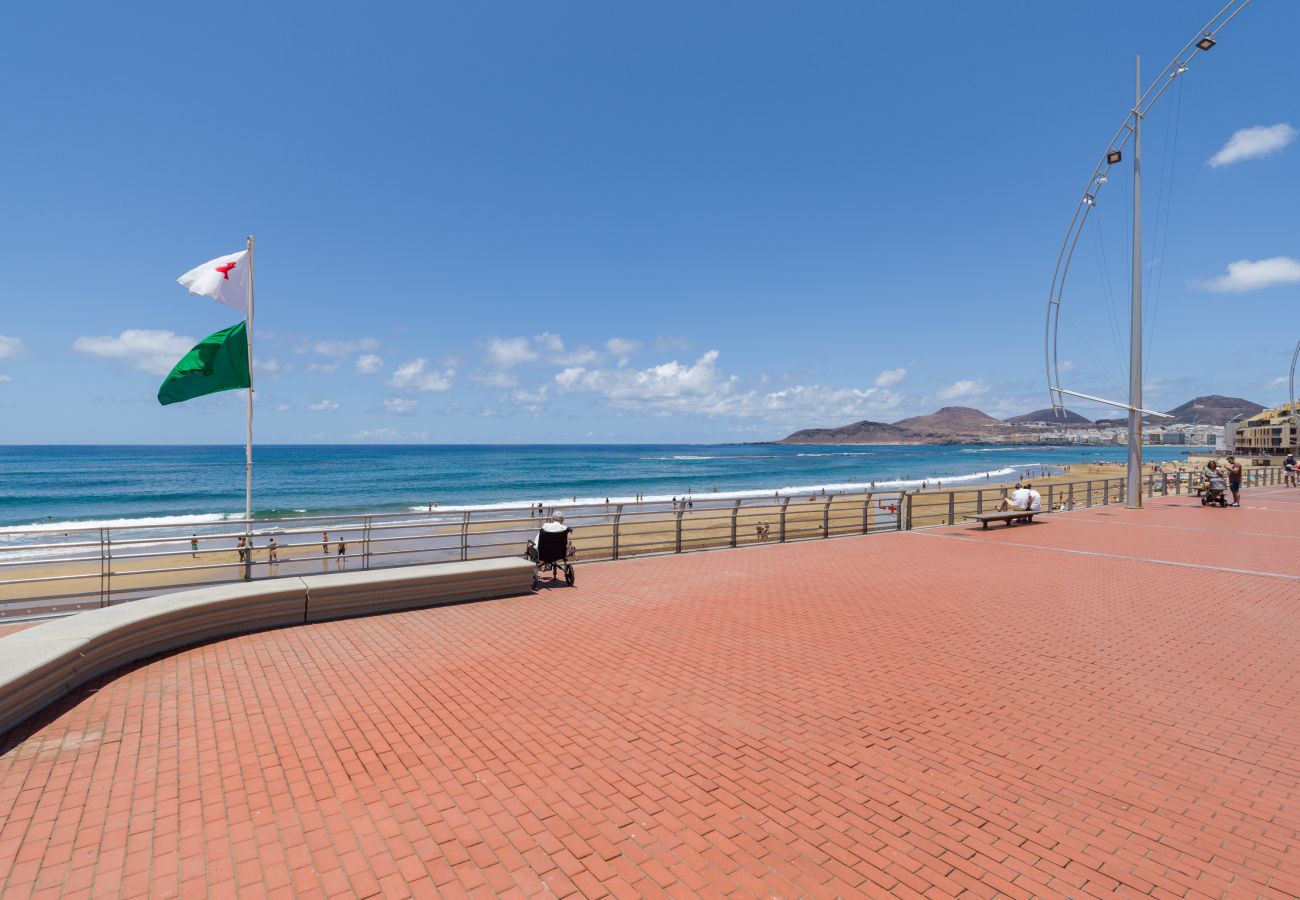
(550, 550)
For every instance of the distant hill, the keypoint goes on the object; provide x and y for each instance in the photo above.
(1059, 417)
(864, 432)
(1211, 410)
(962, 424)
(949, 420)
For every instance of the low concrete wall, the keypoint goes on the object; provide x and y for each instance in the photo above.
(386, 590)
(41, 664)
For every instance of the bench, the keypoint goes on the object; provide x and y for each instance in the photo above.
(1011, 516)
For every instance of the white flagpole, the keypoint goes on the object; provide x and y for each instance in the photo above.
(248, 447)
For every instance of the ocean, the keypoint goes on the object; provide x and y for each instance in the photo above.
(119, 486)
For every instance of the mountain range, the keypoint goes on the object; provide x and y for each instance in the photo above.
(960, 424)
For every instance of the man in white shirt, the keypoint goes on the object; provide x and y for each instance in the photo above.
(1019, 499)
(1035, 499)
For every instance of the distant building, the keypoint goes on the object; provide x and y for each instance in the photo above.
(1269, 435)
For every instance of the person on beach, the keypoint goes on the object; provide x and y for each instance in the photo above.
(325, 544)
(342, 561)
(241, 547)
(273, 553)
(1234, 480)
(1288, 470)
(194, 546)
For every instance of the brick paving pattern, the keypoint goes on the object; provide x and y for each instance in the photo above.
(941, 713)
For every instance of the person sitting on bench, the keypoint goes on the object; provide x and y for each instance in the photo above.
(1023, 499)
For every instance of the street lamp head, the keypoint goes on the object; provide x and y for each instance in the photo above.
(1113, 157)
(1102, 179)
(1181, 70)
(1206, 43)
(1089, 200)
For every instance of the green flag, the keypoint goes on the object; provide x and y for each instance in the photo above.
(218, 363)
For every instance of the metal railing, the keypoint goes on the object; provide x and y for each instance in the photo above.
(48, 574)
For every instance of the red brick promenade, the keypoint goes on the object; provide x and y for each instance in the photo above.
(1108, 702)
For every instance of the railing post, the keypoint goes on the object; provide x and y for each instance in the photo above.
(464, 535)
(826, 516)
(979, 501)
(248, 551)
(906, 498)
(103, 566)
(866, 515)
(1105, 492)
(1069, 496)
(108, 568)
(618, 517)
(365, 543)
(1150, 485)
(952, 507)
(785, 504)
(1050, 505)
(735, 512)
(680, 513)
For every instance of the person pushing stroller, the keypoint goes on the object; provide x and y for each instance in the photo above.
(1216, 486)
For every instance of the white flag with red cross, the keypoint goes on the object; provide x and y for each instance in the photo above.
(224, 279)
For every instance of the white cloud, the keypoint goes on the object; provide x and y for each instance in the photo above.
(4, 378)
(890, 377)
(505, 353)
(1279, 381)
(156, 352)
(495, 379)
(400, 405)
(9, 346)
(1252, 143)
(412, 376)
(1254, 274)
(323, 368)
(369, 364)
(621, 349)
(667, 386)
(960, 390)
(701, 389)
(344, 348)
(281, 407)
(323, 406)
(376, 434)
(267, 367)
(548, 343)
(533, 401)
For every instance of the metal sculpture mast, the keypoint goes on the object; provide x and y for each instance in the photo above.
(1131, 129)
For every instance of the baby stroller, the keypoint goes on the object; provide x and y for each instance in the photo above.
(550, 551)
(1216, 492)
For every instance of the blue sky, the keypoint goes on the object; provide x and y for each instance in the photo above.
(678, 222)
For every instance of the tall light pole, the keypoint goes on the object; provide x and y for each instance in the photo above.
(1295, 434)
(1133, 494)
(1203, 42)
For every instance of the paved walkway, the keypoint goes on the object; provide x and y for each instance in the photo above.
(1101, 703)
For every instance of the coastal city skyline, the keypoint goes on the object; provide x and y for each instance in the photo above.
(509, 225)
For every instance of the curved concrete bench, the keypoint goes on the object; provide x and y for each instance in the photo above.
(41, 664)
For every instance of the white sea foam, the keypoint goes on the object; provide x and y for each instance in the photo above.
(95, 524)
(855, 487)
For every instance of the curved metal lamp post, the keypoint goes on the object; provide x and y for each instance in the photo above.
(1296, 433)
(1131, 130)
